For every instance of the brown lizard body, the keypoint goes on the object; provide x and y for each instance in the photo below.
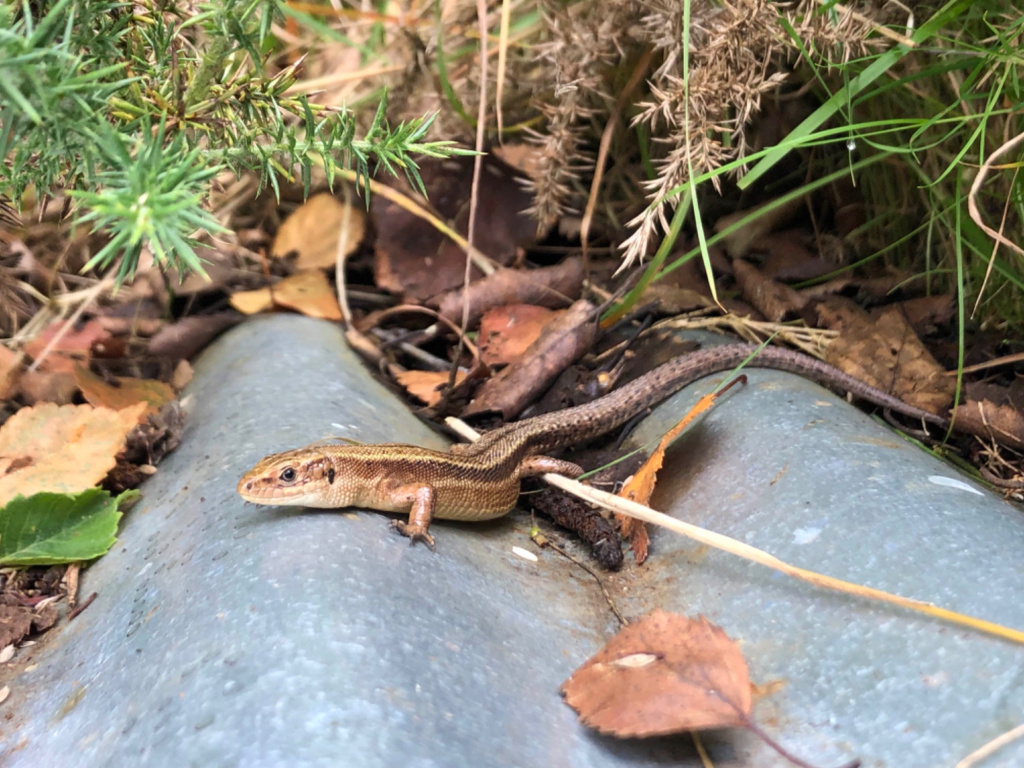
(481, 481)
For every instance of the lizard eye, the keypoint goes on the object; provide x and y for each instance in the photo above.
(288, 474)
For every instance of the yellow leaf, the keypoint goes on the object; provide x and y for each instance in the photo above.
(313, 231)
(61, 448)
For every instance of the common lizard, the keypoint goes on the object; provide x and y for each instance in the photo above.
(480, 481)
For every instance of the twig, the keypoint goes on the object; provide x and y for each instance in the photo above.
(82, 606)
(543, 541)
(1017, 357)
(882, 30)
(995, 245)
(506, 16)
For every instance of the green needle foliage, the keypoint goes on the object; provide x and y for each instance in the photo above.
(132, 108)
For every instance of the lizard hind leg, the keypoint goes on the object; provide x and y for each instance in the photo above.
(532, 466)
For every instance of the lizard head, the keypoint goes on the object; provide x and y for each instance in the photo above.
(293, 478)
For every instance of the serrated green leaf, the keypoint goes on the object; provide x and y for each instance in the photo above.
(53, 528)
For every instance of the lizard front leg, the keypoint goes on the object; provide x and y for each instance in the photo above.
(423, 501)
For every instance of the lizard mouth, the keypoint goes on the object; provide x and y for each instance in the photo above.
(257, 491)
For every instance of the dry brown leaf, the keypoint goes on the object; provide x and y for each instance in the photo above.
(553, 287)
(252, 302)
(413, 259)
(312, 232)
(73, 347)
(738, 242)
(926, 313)
(565, 339)
(776, 301)
(525, 158)
(662, 674)
(309, 293)
(53, 380)
(879, 288)
(1000, 394)
(507, 332)
(827, 289)
(15, 623)
(673, 300)
(127, 392)
(63, 449)
(789, 258)
(886, 353)
(44, 386)
(1002, 423)
(427, 385)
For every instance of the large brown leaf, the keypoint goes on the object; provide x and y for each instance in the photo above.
(664, 673)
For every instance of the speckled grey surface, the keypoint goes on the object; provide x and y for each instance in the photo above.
(233, 635)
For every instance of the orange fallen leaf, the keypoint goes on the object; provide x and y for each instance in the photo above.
(306, 292)
(313, 230)
(127, 392)
(641, 485)
(252, 302)
(427, 385)
(61, 448)
(73, 347)
(507, 332)
(664, 673)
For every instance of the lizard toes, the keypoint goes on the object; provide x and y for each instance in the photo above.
(414, 533)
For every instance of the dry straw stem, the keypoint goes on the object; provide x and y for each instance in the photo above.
(752, 554)
(813, 341)
(606, 142)
(341, 257)
(313, 85)
(1017, 357)
(438, 317)
(506, 16)
(993, 746)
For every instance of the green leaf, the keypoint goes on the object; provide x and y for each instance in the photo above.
(51, 528)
